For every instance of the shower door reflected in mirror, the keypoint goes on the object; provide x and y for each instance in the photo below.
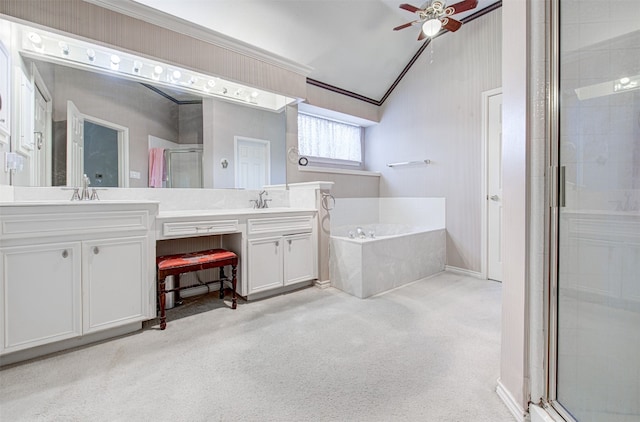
(184, 167)
(597, 375)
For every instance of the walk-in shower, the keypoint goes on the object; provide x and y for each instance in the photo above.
(183, 167)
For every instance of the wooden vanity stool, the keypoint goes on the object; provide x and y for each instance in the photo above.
(185, 263)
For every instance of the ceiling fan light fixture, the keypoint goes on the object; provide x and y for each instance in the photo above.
(431, 27)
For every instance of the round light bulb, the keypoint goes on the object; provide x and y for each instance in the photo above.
(115, 62)
(431, 27)
(91, 54)
(35, 39)
(157, 70)
(625, 80)
(64, 47)
(254, 94)
(176, 74)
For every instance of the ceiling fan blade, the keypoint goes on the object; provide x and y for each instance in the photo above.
(403, 26)
(409, 7)
(451, 24)
(422, 35)
(463, 6)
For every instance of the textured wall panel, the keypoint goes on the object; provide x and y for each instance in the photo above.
(435, 113)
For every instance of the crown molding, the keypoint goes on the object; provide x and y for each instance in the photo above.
(174, 23)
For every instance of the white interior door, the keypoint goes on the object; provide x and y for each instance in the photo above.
(75, 145)
(40, 127)
(253, 163)
(494, 187)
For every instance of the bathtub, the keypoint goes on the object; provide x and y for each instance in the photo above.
(397, 254)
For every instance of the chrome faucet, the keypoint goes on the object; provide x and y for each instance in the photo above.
(261, 202)
(85, 188)
(84, 195)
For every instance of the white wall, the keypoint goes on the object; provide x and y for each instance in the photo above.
(513, 385)
(435, 113)
(420, 212)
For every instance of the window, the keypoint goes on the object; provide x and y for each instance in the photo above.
(328, 141)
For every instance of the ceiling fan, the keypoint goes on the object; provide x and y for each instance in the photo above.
(435, 15)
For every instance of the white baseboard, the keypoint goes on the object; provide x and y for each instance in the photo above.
(46, 349)
(516, 410)
(539, 414)
(322, 284)
(464, 271)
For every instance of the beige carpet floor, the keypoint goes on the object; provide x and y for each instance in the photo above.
(428, 351)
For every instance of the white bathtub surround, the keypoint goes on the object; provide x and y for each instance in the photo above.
(409, 244)
(421, 212)
(365, 267)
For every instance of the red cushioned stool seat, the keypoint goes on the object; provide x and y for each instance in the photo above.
(177, 264)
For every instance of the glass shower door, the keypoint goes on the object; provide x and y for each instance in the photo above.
(598, 309)
(184, 167)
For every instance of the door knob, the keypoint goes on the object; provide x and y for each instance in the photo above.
(494, 197)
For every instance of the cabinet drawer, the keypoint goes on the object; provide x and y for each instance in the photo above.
(198, 228)
(59, 224)
(282, 225)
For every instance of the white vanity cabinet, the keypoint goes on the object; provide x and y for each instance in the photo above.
(277, 246)
(113, 293)
(71, 269)
(299, 258)
(41, 294)
(265, 265)
(281, 252)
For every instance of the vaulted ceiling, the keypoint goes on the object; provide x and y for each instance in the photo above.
(348, 44)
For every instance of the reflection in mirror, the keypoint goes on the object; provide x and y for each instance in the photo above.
(139, 112)
(96, 149)
(138, 98)
(173, 165)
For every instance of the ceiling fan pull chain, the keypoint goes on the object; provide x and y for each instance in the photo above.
(431, 52)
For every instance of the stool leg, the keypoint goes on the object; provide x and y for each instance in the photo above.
(234, 270)
(177, 300)
(222, 277)
(162, 299)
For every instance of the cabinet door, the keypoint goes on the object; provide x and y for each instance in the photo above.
(265, 263)
(114, 282)
(40, 295)
(299, 258)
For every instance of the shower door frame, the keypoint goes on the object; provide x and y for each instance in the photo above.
(555, 180)
(556, 197)
(556, 191)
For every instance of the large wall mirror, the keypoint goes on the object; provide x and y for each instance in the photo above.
(130, 132)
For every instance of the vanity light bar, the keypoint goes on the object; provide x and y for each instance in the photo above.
(63, 50)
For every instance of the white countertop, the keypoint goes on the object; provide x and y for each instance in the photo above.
(230, 212)
(74, 203)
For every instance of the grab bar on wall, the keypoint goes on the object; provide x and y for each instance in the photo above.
(409, 163)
